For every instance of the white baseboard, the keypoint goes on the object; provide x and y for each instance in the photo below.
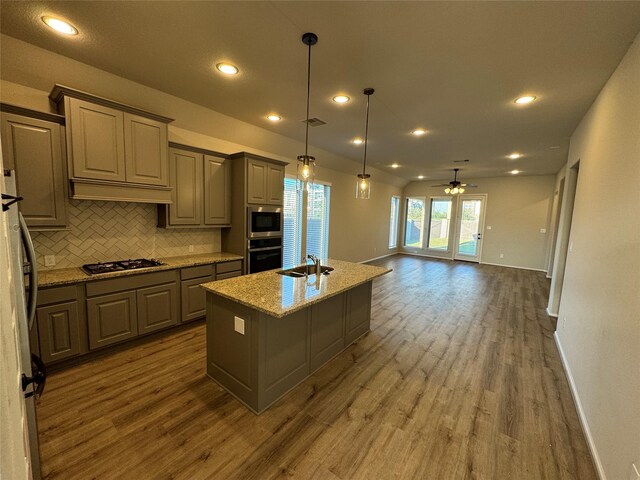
(378, 258)
(554, 315)
(549, 276)
(415, 254)
(514, 266)
(581, 415)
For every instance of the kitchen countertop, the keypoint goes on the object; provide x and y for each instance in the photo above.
(66, 276)
(279, 295)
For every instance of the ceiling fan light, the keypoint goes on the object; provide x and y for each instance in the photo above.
(447, 190)
(461, 190)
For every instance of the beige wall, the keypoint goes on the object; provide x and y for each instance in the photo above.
(599, 316)
(358, 230)
(516, 209)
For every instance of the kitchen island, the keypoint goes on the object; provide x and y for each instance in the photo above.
(267, 332)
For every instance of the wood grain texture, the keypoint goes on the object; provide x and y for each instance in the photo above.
(458, 379)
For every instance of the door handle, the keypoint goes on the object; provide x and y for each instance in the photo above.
(39, 377)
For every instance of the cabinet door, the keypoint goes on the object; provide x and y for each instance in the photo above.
(217, 191)
(275, 184)
(97, 141)
(34, 149)
(194, 299)
(327, 330)
(185, 175)
(256, 181)
(157, 307)
(112, 319)
(146, 150)
(58, 331)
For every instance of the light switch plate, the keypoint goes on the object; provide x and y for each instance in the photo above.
(489, 227)
(238, 325)
(49, 260)
(543, 230)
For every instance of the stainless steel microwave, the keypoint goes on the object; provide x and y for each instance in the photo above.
(264, 222)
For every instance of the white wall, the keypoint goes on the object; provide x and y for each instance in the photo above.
(517, 208)
(357, 228)
(599, 315)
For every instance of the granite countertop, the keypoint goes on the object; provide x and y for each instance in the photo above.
(279, 295)
(66, 276)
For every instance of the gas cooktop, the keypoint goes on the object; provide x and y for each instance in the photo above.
(107, 267)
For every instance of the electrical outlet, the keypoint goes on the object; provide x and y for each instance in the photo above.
(543, 230)
(489, 227)
(49, 260)
(190, 248)
(635, 474)
(502, 255)
(238, 325)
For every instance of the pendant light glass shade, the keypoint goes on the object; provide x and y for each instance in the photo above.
(363, 186)
(307, 163)
(363, 182)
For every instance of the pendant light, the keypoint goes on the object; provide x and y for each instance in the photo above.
(363, 183)
(306, 163)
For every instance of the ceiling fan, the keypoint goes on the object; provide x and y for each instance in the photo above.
(454, 186)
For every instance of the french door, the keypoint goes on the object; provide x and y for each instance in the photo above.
(469, 228)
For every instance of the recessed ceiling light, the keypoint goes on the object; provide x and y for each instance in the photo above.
(524, 100)
(394, 165)
(514, 172)
(341, 99)
(513, 156)
(227, 68)
(419, 131)
(274, 118)
(60, 26)
(420, 177)
(357, 141)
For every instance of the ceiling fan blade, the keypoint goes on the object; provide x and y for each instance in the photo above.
(442, 185)
(471, 185)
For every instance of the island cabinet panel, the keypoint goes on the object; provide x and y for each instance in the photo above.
(111, 318)
(59, 331)
(157, 307)
(217, 190)
(146, 150)
(34, 148)
(284, 357)
(232, 357)
(358, 318)
(327, 330)
(97, 141)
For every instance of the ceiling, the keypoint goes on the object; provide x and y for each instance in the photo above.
(453, 68)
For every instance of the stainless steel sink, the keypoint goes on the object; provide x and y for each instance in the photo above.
(304, 270)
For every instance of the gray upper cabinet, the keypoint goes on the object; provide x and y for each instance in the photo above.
(97, 141)
(115, 151)
(145, 143)
(201, 185)
(217, 190)
(186, 180)
(35, 149)
(275, 184)
(257, 177)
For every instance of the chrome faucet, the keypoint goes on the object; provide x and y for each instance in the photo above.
(316, 262)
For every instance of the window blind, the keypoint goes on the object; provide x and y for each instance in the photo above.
(318, 220)
(393, 222)
(292, 228)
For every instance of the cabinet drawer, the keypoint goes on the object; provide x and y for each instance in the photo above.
(102, 287)
(157, 307)
(222, 276)
(47, 296)
(194, 298)
(195, 272)
(111, 319)
(229, 266)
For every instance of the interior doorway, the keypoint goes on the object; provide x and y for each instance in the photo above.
(557, 204)
(469, 227)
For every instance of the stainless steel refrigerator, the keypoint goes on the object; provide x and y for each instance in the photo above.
(25, 275)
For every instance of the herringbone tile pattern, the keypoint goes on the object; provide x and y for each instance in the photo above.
(101, 231)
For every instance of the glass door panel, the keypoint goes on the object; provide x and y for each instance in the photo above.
(470, 226)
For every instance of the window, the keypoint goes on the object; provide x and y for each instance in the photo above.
(314, 222)
(393, 222)
(292, 241)
(439, 223)
(415, 221)
(318, 220)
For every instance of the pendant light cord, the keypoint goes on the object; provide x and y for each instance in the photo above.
(366, 135)
(306, 135)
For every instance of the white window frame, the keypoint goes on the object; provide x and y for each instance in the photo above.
(452, 221)
(404, 220)
(394, 245)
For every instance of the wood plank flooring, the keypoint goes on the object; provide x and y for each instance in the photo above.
(459, 378)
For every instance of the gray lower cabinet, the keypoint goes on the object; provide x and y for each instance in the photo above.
(34, 148)
(327, 330)
(157, 307)
(194, 301)
(59, 331)
(358, 317)
(112, 319)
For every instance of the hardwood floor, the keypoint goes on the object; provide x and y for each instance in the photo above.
(459, 378)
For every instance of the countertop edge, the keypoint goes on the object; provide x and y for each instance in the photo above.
(297, 308)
